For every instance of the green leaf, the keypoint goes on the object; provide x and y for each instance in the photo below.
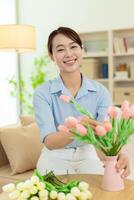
(81, 109)
(37, 173)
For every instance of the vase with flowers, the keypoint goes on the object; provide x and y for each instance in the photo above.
(108, 137)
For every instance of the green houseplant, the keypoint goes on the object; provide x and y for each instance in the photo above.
(41, 73)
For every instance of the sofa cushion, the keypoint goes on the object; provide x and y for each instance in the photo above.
(26, 120)
(22, 146)
(3, 157)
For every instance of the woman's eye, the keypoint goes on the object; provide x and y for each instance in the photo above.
(60, 50)
(73, 47)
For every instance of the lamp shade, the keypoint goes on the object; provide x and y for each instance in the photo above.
(17, 37)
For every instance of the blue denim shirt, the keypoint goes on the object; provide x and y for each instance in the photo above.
(51, 111)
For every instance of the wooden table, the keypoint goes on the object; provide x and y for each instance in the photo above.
(95, 183)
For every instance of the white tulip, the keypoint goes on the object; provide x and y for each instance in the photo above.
(25, 194)
(41, 186)
(69, 196)
(14, 195)
(28, 184)
(33, 190)
(9, 187)
(75, 191)
(21, 198)
(42, 193)
(20, 186)
(43, 198)
(83, 196)
(53, 194)
(34, 198)
(89, 194)
(83, 186)
(61, 196)
(35, 179)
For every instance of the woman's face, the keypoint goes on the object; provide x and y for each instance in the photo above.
(66, 53)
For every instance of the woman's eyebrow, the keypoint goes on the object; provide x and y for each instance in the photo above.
(62, 45)
(59, 45)
(72, 43)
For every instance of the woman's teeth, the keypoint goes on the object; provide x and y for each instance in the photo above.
(70, 61)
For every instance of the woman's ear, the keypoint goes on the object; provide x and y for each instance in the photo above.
(82, 47)
(51, 56)
(82, 50)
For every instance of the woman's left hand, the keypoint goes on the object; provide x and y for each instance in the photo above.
(123, 164)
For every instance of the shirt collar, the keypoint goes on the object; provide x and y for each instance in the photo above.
(88, 84)
(57, 85)
(86, 87)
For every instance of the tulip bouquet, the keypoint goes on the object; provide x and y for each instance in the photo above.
(48, 187)
(110, 135)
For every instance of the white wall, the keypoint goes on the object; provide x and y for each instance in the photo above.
(8, 68)
(82, 15)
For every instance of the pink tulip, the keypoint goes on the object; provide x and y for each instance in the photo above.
(71, 122)
(63, 129)
(114, 112)
(132, 110)
(126, 114)
(81, 129)
(106, 119)
(81, 118)
(65, 98)
(100, 130)
(125, 105)
(107, 125)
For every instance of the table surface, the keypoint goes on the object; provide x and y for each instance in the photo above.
(95, 187)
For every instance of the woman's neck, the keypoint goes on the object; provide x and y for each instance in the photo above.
(72, 82)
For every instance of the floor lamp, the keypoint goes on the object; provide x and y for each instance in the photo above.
(18, 38)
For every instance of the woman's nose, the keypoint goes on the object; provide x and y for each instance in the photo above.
(68, 52)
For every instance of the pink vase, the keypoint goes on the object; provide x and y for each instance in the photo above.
(112, 180)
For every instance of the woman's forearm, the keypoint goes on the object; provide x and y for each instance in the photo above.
(57, 140)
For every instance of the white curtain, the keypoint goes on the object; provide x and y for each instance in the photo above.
(8, 69)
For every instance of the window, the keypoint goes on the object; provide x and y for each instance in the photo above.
(8, 68)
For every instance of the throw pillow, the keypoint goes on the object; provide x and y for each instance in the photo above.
(22, 146)
(26, 120)
(3, 157)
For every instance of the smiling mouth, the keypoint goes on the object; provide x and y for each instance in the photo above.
(70, 61)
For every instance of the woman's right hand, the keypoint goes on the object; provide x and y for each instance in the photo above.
(88, 121)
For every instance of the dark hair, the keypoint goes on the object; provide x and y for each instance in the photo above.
(70, 33)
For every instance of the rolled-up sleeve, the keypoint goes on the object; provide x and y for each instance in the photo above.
(43, 113)
(104, 102)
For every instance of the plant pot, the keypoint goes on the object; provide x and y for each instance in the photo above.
(112, 180)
